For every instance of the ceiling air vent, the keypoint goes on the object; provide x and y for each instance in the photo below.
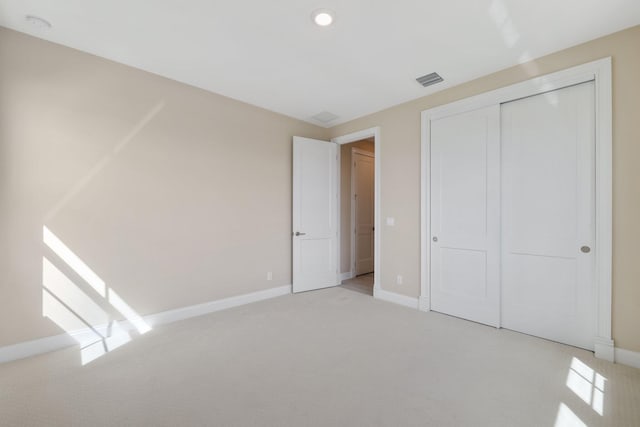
(325, 117)
(429, 79)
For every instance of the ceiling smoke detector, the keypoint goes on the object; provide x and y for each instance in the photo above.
(429, 79)
(37, 22)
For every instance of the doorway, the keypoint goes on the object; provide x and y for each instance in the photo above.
(319, 231)
(357, 215)
(363, 147)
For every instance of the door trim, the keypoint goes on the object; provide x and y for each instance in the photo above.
(362, 152)
(377, 143)
(598, 71)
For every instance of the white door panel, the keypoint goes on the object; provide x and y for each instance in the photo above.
(315, 255)
(468, 282)
(314, 214)
(548, 185)
(465, 214)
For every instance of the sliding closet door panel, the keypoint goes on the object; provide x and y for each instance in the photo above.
(465, 185)
(548, 205)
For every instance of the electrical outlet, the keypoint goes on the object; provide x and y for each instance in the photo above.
(399, 280)
(269, 275)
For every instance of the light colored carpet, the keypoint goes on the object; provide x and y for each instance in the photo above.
(326, 358)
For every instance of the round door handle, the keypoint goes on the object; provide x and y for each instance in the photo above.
(585, 249)
(435, 238)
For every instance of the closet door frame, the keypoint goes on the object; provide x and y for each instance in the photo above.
(598, 71)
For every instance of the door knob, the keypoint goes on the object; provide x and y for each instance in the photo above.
(435, 238)
(585, 249)
(297, 233)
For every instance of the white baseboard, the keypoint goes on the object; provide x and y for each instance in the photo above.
(346, 276)
(58, 342)
(395, 298)
(209, 307)
(34, 347)
(627, 357)
(604, 349)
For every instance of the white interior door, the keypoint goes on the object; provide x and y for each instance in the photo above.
(315, 214)
(548, 178)
(363, 183)
(465, 215)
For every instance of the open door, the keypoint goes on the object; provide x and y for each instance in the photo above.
(315, 214)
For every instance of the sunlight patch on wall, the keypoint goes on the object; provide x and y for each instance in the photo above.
(83, 320)
(66, 319)
(68, 295)
(73, 261)
(124, 309)
(84, 317)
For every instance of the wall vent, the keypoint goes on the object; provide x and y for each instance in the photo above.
(429, 79)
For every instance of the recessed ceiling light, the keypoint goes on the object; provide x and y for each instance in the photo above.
(323, 17)
(38, 22)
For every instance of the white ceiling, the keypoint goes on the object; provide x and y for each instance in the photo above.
(270, 54)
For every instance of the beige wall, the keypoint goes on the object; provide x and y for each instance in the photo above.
(172, 195)
(345, 199)
(400, 154)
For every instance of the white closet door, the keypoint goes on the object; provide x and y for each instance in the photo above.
(548, 197)
(465, 215)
